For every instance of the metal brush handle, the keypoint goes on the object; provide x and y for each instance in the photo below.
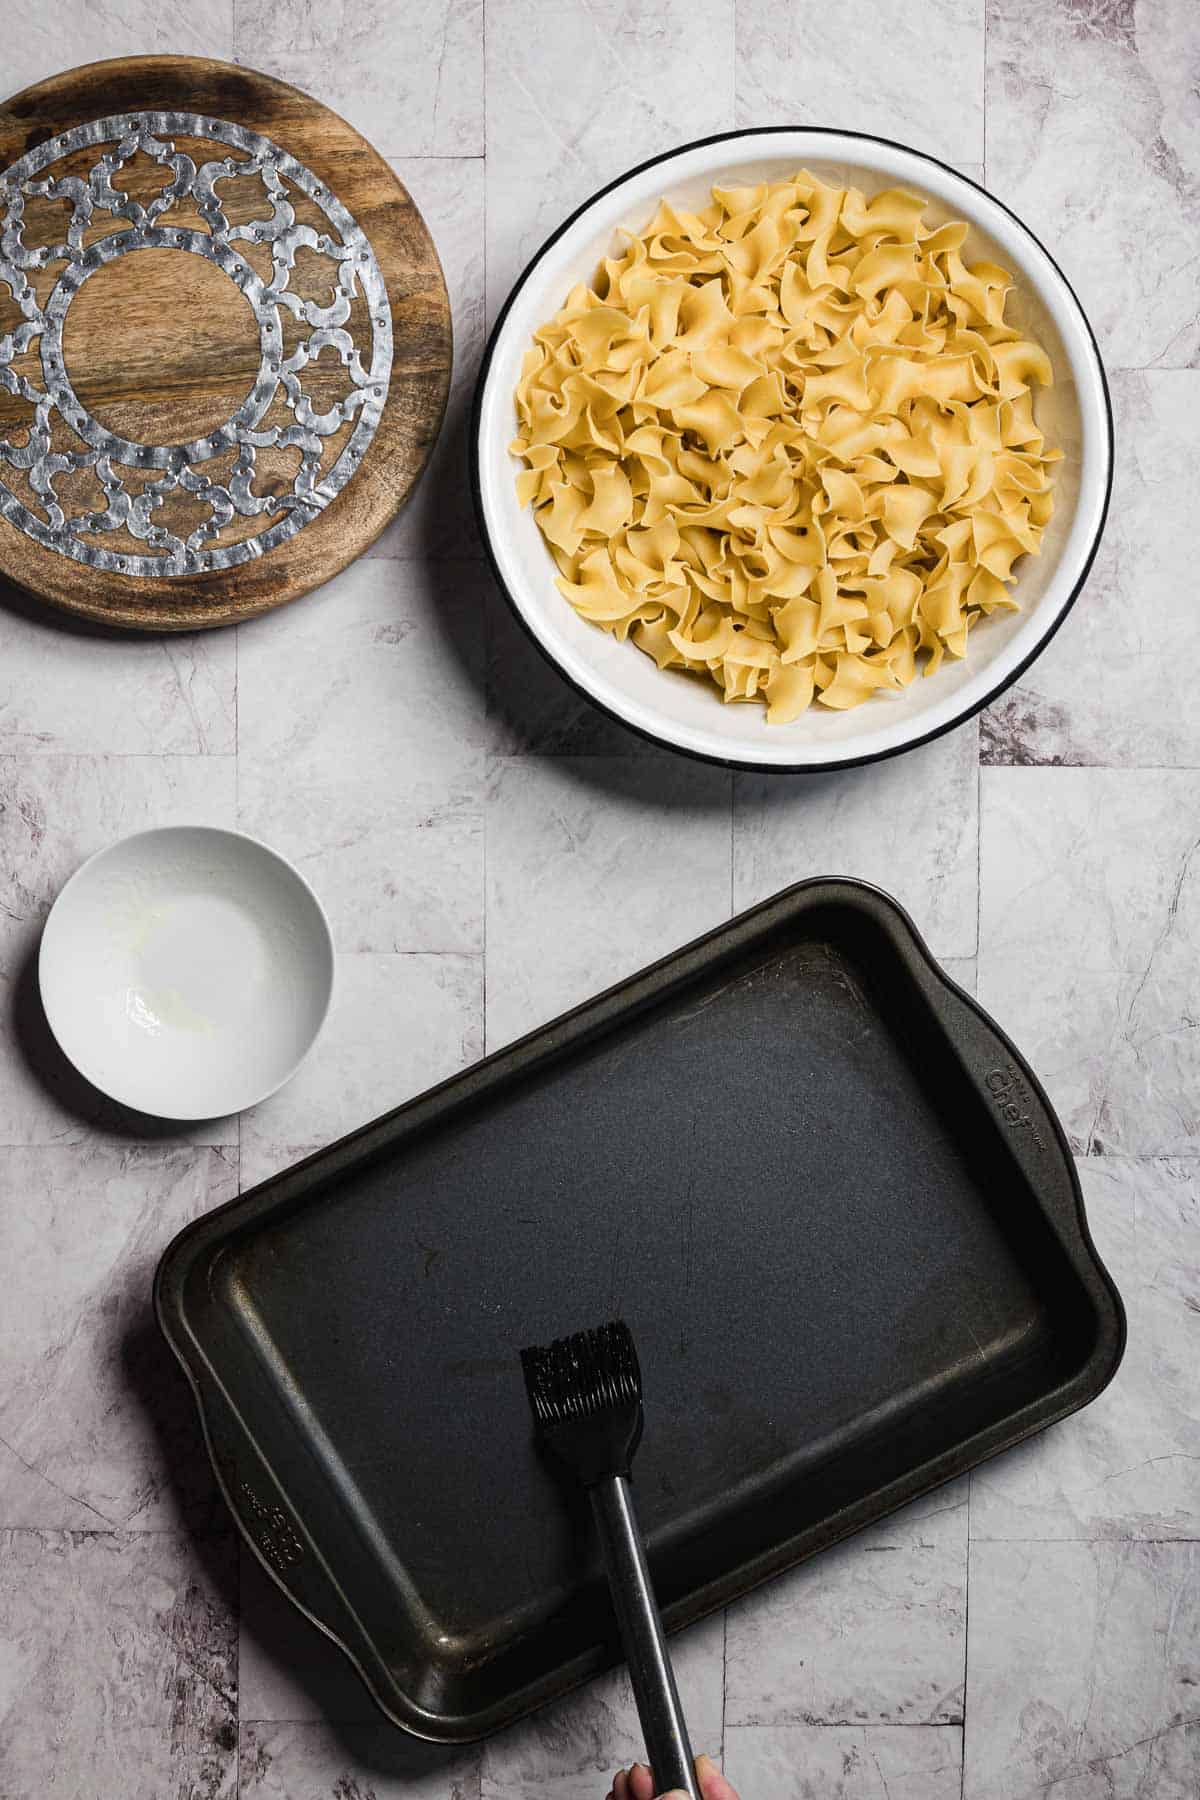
(650, 1669)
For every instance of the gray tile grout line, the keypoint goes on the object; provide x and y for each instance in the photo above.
(237, 1669)
(225, 1533)
(800, 1723)
(724, 1678)
(1097, 767)
(100, 756)
(1097, 1543)
(190, 1533)
(962, 1788)
(237, 711)
(983, 97)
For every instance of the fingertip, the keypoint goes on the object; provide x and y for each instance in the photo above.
(620, 1785)
(713, 1784)
(641, 1782)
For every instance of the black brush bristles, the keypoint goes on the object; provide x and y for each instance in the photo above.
(586, 1395)
(582, 1374)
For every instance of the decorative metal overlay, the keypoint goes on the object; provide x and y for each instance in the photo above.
(132, 515)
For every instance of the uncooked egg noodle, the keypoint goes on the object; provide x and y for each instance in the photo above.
(787, 442)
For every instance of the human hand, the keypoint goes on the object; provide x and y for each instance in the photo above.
(638, 1784)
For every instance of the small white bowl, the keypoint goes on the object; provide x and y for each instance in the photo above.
(1074, 413)
(186, 972)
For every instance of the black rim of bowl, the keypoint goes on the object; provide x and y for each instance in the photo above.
(644, 732)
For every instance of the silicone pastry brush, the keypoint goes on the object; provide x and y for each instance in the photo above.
(586, 1396)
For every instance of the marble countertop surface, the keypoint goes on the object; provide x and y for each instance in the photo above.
(1033, 1630)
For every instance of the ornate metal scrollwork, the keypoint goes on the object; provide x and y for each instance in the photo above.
(131, 515)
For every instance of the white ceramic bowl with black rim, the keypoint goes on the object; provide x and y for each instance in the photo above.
(688, 715)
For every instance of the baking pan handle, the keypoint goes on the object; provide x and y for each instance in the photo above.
(262, 1511)
(1017, 1101)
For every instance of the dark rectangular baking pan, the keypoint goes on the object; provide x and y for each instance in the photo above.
(822, 1186)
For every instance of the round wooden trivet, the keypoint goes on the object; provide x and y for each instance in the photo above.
(224, 342)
